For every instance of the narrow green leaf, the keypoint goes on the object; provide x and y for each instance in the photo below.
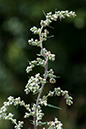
(57, 76)
(42, 123)
(52, 106)
(50, 36)
(38, 54)
(44, 12)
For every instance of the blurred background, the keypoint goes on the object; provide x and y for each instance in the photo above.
(69, 45)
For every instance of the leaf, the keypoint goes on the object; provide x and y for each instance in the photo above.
(39, 55)
(57, 76)
(44, 12)
(50, 36)
(42, 123)
(52, 106)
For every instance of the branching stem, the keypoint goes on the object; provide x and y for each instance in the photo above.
(45, 76)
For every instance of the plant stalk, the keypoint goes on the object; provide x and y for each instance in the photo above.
(39, 95)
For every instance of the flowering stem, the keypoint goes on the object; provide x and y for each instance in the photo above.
(45, 76)
(34, 83)
(39, 95)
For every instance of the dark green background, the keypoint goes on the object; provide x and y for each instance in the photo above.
(69, 45)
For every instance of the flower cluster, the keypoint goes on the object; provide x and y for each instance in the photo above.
(35, 30)
(19, 125)
(44, 34)
(41, 62)
(55, 124)
(38, 112)
(5, 116)
(34, 43)
(43, 101)
(45, 22)
(53, 17)
(48, 54)
(51, 75)
(32, 112)
(37, 62)
(56, 92)
(59, 92)
(33, 84)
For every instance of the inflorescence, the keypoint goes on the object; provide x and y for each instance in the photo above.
(36, 83)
